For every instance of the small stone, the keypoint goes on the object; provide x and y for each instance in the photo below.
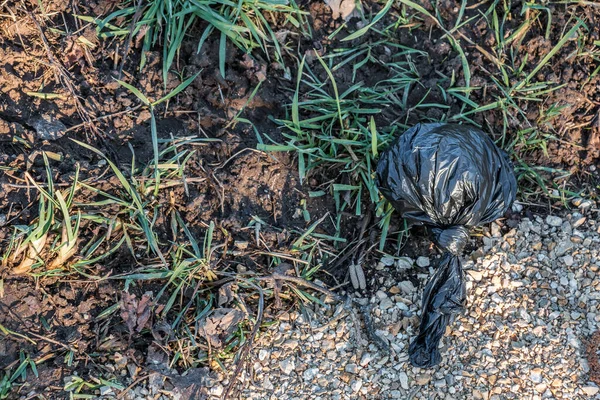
(536, 375)
(590, 390)
(579, 222)
(403, 380)
(105, 390)
(351, 368)
(407, 287)
(553, 220)
(216, 390)
(517, 207)
(404, 263)
(496, 232)
(386, 304)
(366, 359)
(394, 290)
(540, 387)
(3, 219)
(310, 374)
(568, 260)
(556, 383)
(423, 262)
(287, 366)
(388, 261)
(440, 383)
(563, 247)
(476, 275)
(263, 354)
(49, 128)
(422, 379)
(267, 384)
(356, 385)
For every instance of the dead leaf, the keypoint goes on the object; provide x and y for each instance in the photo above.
(220, 324)
(225, 294)
(136, 314)
(342, 8)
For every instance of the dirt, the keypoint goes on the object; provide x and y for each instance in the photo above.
(240, 183)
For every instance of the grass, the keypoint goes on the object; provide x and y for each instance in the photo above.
(247, 24)
(124, 213)
(337, 122)
(339, 132)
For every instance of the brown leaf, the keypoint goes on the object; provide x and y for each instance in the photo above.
(136, 314)
(220, 324)
(225, 294)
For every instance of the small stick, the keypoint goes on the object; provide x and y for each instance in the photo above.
(138, 380)
(248, 345)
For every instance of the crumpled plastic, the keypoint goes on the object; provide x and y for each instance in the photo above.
(449, 178)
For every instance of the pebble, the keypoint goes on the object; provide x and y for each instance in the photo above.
(590, 390)
(263, 354)
(356, 385)
(422, 379)
(568, 260)
(530, 305)
(553, 220)
(423, 261)
(536, 375)
(386, 304)
(407, 287)
(287, 366)
(105, 390)
(310, 374)
(388, 261)
(351, 368)
(366, 359)
(403, 378)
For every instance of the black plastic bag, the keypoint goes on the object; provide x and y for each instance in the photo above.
(448, 177)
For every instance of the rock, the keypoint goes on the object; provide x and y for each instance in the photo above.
(310, 374)
(563, 247)
(476, 275)
(394, 290)
(407, 287)
(553, 220)
(422, 379)
(287, 366)
(540, 387)
(356, 385)
(267, 384)
(590, 390)
(568, 260)
(48, 127)
(386, 304)
(216, 390)
(388, 261)
(263, 354)
(3, 219)
(496, 232)
(536, 375)
(351, 368)
(579, 222)
(366, 359)
(441, 383)
(403, 380)
(404, 263)
(517, 207)
(105, 390)
(423, 261)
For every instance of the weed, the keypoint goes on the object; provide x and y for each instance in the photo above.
(246, 24)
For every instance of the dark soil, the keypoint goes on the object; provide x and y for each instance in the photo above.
(240, 183)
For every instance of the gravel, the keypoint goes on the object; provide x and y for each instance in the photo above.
(533, 298)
